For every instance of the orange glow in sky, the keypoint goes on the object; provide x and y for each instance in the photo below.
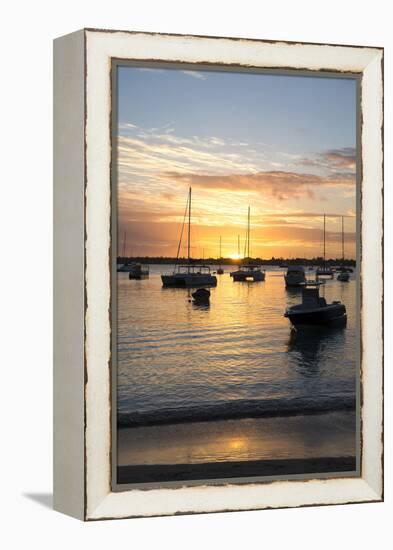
(283, 145)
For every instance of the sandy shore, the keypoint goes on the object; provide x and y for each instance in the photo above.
(236, 448)
(216, 470)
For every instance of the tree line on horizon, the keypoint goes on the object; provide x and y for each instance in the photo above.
(231, 261)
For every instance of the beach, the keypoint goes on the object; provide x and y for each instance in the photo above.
(315, 443)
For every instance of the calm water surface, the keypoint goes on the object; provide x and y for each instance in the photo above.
(232, 357)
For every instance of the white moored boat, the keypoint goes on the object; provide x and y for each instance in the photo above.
(189, 274)
(295, 276)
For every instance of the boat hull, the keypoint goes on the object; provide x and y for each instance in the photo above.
(294, 281)
(240, 276)
(188, 280)
(343, 277)
(328, 273)
(125, 268)
(332, 316)
(138, 276)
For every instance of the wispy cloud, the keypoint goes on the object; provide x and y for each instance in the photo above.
(128, 126)
(332, 159)
(344, 157)
(279, 184)
(315, 215)
(195, 74)
(150, 70)
(174, 153)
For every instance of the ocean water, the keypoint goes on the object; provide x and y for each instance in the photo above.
(236, 358)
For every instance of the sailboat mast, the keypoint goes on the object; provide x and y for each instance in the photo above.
(248, 235)
(238, 246)
(220, 248)
(342, 237)
(324, 238)
(124, 244)
(189, 226)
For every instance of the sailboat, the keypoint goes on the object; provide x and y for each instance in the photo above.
(248, 271)
(134, 270)
(189, 274)
(127, 266)
(220, 270)
(344, 275)
(324, 271)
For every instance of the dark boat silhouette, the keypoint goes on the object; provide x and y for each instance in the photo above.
(343, 276)
(248, 271)
(190, 274)
(201, 296)
(314, 311)
(220, 270)
(324, 270)
(138, 271)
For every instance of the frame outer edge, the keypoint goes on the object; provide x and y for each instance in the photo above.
(372, 274)
(102, 503)
(69, 277)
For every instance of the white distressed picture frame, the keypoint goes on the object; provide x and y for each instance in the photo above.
(82, 336)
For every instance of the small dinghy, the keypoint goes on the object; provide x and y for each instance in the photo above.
(201, 296)
(314, 311)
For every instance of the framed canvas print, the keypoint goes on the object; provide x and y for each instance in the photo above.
(218, 274)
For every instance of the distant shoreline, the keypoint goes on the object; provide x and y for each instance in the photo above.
(216, 470)
(277, 262)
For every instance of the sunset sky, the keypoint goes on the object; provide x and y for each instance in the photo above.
(284, 145)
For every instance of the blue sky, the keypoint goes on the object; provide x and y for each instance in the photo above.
(284, 144)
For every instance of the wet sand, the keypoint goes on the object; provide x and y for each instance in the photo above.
(244, 469)
(238, 448)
